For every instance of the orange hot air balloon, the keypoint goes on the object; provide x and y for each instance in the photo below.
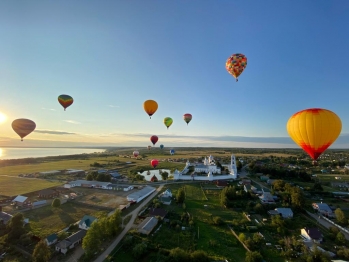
(23, 127)
(314, 130)
(154, 163)
(150, 107)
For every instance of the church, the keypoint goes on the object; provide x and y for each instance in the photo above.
(209, 165)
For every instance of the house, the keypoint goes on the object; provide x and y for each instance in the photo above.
(75, 172)
(154, 179)
(167, 193)
(283, 212)
(324, 209)
(221, 183)
(70, 242)
(51, 239)
(86, 222)
(165, 200)
(4, 217)
(147, 225)
(48, 193)
(247, 187)
(312, 234)
(264, 178)
(21, 201)
(153, 212)
(267, 198)
(115, 175)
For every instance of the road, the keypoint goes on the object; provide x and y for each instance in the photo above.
(134, 213)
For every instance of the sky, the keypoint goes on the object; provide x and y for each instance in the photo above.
(111, 56)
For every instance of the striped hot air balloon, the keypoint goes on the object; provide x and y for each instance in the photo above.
(65, 101)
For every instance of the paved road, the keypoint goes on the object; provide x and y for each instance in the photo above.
(326, 223)
(134, 213)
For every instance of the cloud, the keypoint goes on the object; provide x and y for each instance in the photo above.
(72, 122)
(54, 132)
(48, 109)
(113, 106)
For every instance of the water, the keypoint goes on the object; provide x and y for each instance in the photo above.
(16, 153)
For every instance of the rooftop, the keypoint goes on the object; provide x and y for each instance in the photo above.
(142, 192)
(20, 199)
(88, 220)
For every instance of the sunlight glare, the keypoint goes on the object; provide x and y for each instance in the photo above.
(2, 117)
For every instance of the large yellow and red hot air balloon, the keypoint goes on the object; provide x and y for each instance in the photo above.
(314, 130)
(65, 101)
(150, 107)
(236, 64)
(23, 127)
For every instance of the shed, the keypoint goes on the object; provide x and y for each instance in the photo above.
(147, 225)
(48, 193)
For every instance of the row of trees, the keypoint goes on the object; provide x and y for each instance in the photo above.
(104, 228)
(229, 194)
(94, 175)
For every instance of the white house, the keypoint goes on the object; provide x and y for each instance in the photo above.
(51, 239)
(324, 209)
(86, 222)
(70, 242)
(312, 234)
(167, 193)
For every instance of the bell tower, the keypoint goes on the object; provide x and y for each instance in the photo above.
(233, 168)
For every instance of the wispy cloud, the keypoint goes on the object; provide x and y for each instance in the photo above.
(43, 108)
(72, 122)
(54, 132)
(113, 106)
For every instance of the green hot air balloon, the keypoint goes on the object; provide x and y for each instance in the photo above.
(168, 121)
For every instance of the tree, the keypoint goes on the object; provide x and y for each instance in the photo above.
(340, 216)
(180, 196)
(340, 238)
(15, 227)
(317, 187)
(253, 257)
(242, 237)
(139, 250)
(279, 185)
(199, 256)
(89, 177)
(297, 198)
(179, 255)
(42, 252)
(56, 202)
(62, 235)
(217, 221)
(164, 175)
(92, 240)
(115, 222)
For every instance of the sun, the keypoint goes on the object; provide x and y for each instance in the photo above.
(2, 117)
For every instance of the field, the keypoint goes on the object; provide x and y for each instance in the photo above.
(47, 220)
(13, 186)
(101, 197)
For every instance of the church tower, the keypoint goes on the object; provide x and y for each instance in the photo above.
(233, 168)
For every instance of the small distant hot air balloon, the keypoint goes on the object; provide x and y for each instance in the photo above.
(172, 151)
(154, 163)
(150, 107)
(154, 139)
(23, 127)
(314, 130)
(236, 64)
(161, 146)
(187, 118)
(135, 153)
(65, 100)
(149, 147)
(168, 121)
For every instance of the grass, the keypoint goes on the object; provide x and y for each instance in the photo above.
(13, 186)
(194, 192)
(47, 220)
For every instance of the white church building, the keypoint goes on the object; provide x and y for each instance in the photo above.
(210, 168)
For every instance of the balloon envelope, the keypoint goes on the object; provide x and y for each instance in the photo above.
(154, 139)
(65, 100)
(135, 153)
(168, 121)
(154, 163)
(236, 64)
(314, 130)
(172, 151)
(161, 146)
(150, 107)
(23, 127)
(187, 118)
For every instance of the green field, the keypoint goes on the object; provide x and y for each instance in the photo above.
(47, 220)
(13, 186)
(192, 192)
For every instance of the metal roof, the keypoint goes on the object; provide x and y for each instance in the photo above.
(142, 192)
(20, 199)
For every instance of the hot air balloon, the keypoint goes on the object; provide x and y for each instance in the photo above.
(236, 64)
(314, 130)
(172, 151)
(154, 139)
(65, 100)
(161, 146)
(135, 153)
(187, 118)
(150, 107)
(168, 121)
(149, 147)
(23, 127)
(154, 163)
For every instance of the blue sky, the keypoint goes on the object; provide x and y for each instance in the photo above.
(111, 56)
